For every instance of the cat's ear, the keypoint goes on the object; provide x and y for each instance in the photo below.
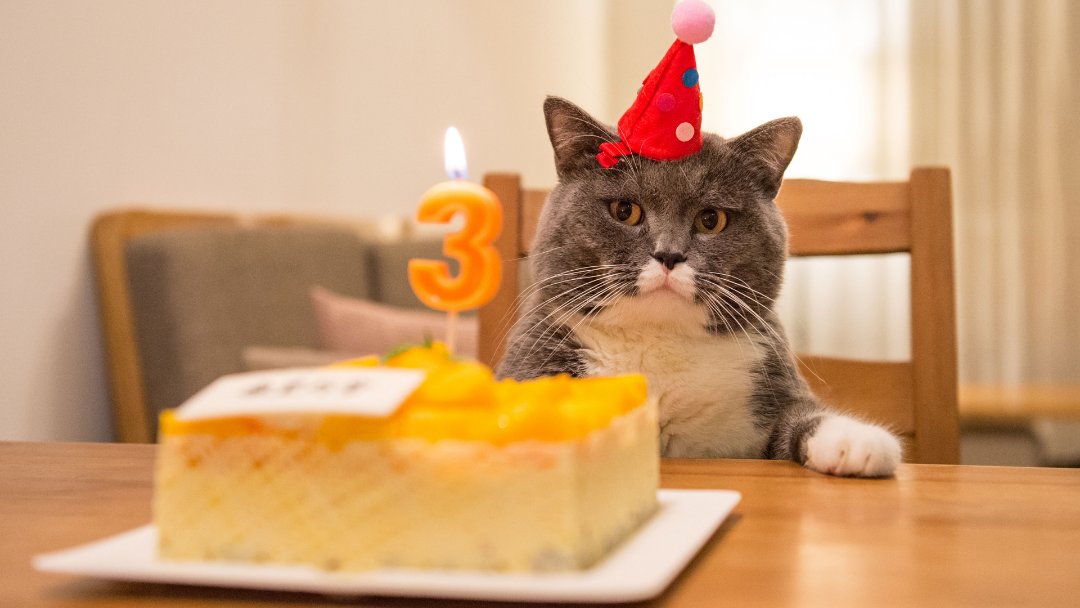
(575, 136)
(769, 148)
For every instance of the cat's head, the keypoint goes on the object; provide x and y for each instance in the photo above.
(696, 240)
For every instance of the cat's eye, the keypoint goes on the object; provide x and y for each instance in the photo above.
(710, 221)
(627, 212)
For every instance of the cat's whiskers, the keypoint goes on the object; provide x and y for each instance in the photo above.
(607, 135)
(778, 276)
(616, 295)
(550, 332)
(722, 313)
(572, 306)
(617, 291)
(720, 309)
(566, 277)
(735, 281)
(578, 270)
(728, 290)
(723, 307)
(772, 343)
(601, 295)
(740, 285)
(536, 254)
(580, 283)
(565, 310)
(686, 177)
(634, 162)
(777, 337)
(734, 299)
(739, 300)
(509, 316)
(765, 376)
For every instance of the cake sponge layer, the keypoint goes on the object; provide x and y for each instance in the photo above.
(288, 497)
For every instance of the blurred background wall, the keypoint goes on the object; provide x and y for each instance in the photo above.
(996, 97)
(339, 107)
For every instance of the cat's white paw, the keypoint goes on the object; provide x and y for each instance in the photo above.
(844, 446)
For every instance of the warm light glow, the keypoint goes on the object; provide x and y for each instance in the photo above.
(454, 155)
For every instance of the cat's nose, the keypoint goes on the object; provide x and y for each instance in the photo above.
(669, 258)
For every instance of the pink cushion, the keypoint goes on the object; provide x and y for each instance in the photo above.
(352, 325)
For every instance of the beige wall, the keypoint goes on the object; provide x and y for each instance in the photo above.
(314, 106)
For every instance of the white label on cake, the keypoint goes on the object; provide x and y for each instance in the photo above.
(374, 392)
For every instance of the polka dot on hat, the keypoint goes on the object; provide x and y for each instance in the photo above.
(665, 102)
(690, 77)
(684, 132)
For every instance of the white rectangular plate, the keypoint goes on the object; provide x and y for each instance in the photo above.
(640, 568)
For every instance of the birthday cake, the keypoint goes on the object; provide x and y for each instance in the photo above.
(466, 473)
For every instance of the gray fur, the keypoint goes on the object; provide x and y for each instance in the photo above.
(741, 176)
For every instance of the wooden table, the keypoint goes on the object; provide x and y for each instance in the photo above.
(933, 536)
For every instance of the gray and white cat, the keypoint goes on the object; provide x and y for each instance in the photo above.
(670, 269)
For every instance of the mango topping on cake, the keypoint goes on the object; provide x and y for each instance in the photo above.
(460, 399)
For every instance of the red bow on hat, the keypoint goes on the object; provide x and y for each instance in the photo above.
(664, 122)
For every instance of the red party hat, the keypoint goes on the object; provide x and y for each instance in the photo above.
(664, 122)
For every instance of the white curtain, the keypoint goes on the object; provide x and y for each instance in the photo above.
(996, 97)
(842, 67)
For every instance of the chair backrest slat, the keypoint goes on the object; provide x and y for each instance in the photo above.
(880, 391)
(859, 218)
(507, 186)
(531, 205)
(933, 317)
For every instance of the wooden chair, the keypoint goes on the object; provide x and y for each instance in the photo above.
(109, 235)
(918, 399)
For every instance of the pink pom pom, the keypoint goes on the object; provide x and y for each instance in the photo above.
(693, 21)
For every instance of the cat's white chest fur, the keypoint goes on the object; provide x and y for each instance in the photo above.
(703, 382)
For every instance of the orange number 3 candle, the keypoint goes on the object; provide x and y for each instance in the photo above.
(480, 268)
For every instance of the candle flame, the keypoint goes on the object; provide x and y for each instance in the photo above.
(454, 155)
